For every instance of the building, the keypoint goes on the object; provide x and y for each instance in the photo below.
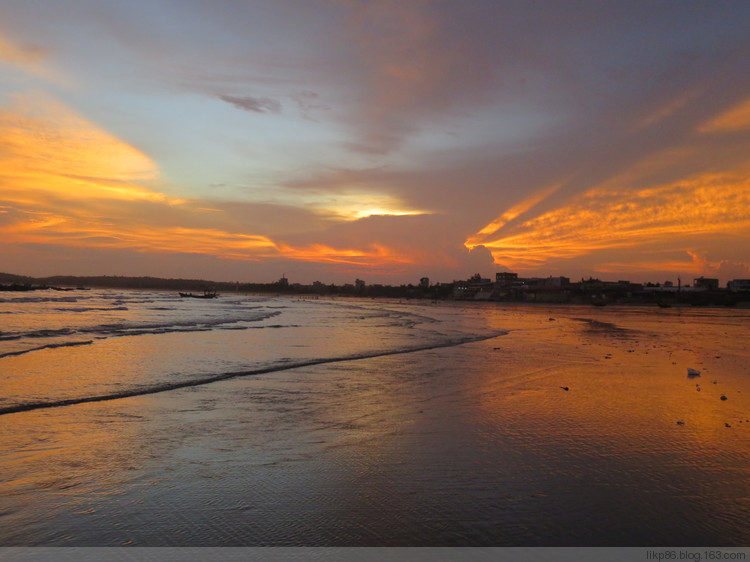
(739, 285)
(475, 288)
(706, 283)
(543, 289)
(505, 279)
(557, 282)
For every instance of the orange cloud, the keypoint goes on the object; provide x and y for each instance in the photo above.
(610, 218)
(511, 214)
(45, 228)
(735, 119)
(67, 182)
(375, 255)
(666, 111)
(45, 146)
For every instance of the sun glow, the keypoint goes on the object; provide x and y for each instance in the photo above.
(357, 205)
(67, 182)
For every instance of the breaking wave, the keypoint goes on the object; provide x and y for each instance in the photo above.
(48, 346)
(108, 345)
(168, 386)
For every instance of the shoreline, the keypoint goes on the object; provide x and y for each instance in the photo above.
(591, 292)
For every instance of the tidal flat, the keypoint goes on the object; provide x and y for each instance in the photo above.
(436, 425)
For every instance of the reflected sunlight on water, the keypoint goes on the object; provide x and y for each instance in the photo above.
(474, 444)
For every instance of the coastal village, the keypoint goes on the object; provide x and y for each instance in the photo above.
(510, 287)
(505, 287)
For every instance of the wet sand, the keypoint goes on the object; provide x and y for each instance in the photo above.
(478, 444)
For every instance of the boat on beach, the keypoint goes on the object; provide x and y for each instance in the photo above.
(207, 294)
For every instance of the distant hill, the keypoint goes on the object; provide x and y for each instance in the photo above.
(9, 279)
(122, 282)
(111, 281)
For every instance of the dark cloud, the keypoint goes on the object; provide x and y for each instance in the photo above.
(595, 65)
(255, 105)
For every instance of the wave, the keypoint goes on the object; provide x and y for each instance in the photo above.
(168, 386)
(10, 337)
(598, 325)
(40, 334)
(104, 331)
(115, 330)
(24, 300)
(48, 346)
(92, 309)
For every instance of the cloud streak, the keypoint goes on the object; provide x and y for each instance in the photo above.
(67, 183)
(672, 216)
(253, 105)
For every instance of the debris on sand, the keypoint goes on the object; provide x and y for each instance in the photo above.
(565, 388)
(723, 397)
(692, 373)
(680, 423)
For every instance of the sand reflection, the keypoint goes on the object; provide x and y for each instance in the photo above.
(67, 463)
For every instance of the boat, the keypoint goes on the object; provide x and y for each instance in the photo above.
(207, 294)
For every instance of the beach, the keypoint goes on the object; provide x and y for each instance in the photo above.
(379, 423)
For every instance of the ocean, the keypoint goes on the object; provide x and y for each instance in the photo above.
(142, 418)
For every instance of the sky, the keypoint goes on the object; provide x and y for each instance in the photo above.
(382, 140)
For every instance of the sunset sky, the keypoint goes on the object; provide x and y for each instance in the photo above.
(243, 140)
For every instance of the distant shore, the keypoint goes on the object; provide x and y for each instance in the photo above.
(593, 292)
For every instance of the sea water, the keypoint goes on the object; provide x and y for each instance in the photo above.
(92, 345)
(140, 418)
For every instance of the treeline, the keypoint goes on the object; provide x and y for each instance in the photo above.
(279, 287)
